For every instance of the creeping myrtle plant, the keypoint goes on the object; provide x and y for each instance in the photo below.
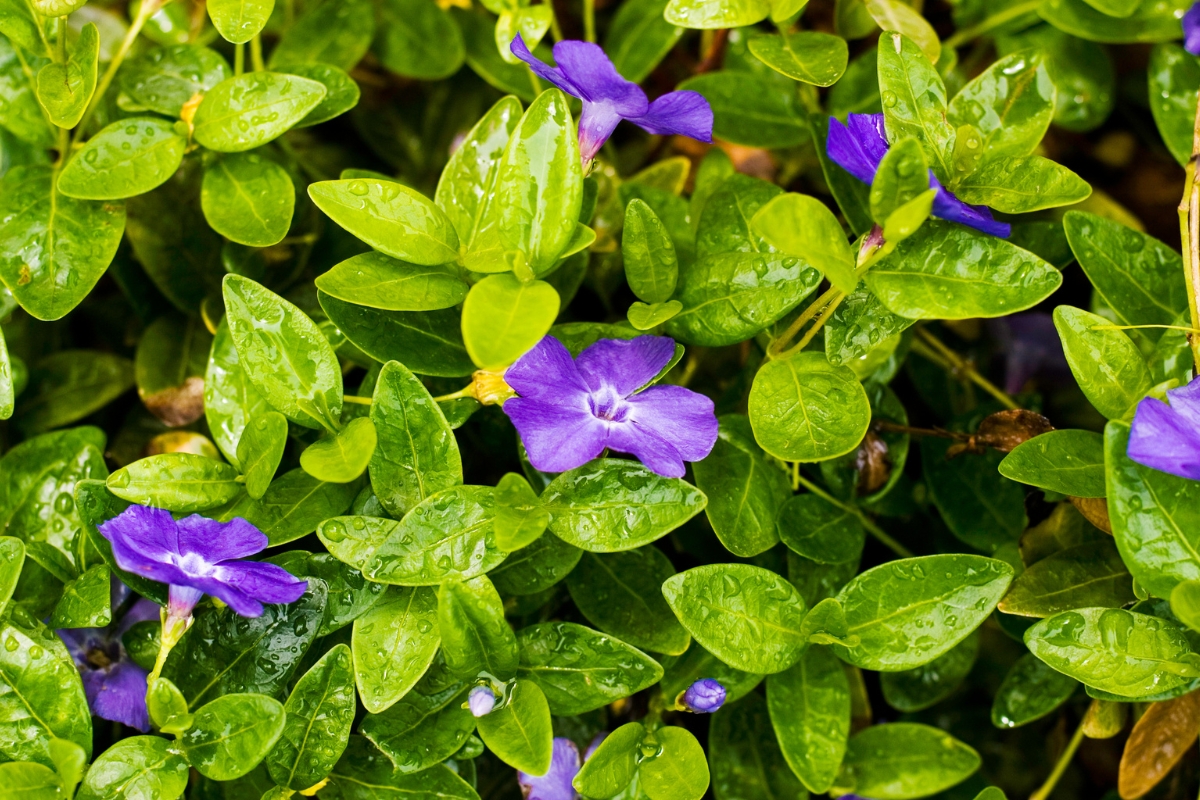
(1166, 436)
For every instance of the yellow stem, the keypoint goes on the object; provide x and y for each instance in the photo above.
(964, 368)
(876, 531)
(256, 55)
(1060, 767)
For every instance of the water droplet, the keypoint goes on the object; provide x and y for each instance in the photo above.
(890, 99)
(359, 188)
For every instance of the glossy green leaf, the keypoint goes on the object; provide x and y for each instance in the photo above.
(707, 14)
(390, 217)
(608, 505)
(808, 56)
(977, 503)
(1106, 363)
(428, 343)
(69, 385)
(166, 78)
(1030, 691)
(232, 734)
(613, 765)
(1067, 461)
(520, 517)
(536, 567)
(1010, 105)
(248, 199)
(1021, 185)
(418, 40)
(913, 610)
(745, 758)
(178, 481)
(518, 732)
(294, 504)
(379, 281)
(804, 227)
(810, 712)
(64, 90)
(914, 100)
(243, 112)
(85, 601)
(1174, 75)
(394, 644)
(921, 687)
(140, 766)
(239, 21)
(1149, 23)
(230, 399)
(639, 38)
(751, 110)
(651, 265)
(342, 457)
(364, 773)
(503, 318)
(350, 594)
(318, 715)
(902, 177)
(679, 771)
(819, 530)
(260, 449)
(12, 558)
(338, 34)
(903, 760)
(580, 669)
(475, 636)
(1086, 575)
(126, 158)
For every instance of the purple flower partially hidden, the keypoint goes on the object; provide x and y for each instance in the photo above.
(704, 696)
(1167, 437)
(1191, 29)
(115, 686)
(198, 556)
(568, 412)
(584, 71)
(481, 700)
(860, 145)
(556, 783)
(1031, 346)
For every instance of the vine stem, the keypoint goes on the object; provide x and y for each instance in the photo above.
(961, 366)
(589, 20)
(1060, 766)
(876, 531)
(256, 54)
(149, 9)
(991, 23)
(1189, 235)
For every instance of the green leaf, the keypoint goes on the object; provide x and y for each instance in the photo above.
(364, 773)
(810, 57)
(342, 457)
(85, 601)
(394, 644)
(1070, 462)
(1030, 691)
(53, 248)
(639, 38)
(390, 217)
(223, 653)
(904, 759)
(96, 504)
(475, 636)
(502, 318)
(981, 507)
(337, 33)
(904, 19)
(744, 490)
(417, 454)
(520, 517)
(12, 559)
(580, 669)
(1153, 518)
(166, 78)
(613, 765)
(804, 227)
(919, 688)
(350, 594)
(166, 705)
(536, 567)
(679, 771)
(232, 734)
(25, 780)
(608, 505)
(230, 399)
(170, 363)
(947, 271)
(260, 449)
(126, 158)
(621, 594)
(10, 370)
(1021, 185)
(1174, 78)
(709, 14)
(418, 40)
(379, 281)
(178, 481)
(746, 760)
(19, 23)
(1083, 576)
(1010, 105)
(1106, 363)
(239, 21)
(318, 716)
(1185, 603)
(910, 611)
(294, 504)
(21, 115)
(249, 110)
(140, 766)
(810, 712)
(470, 175)
(289, 360)
(41, 695)
(341, 92)
(817, 529)
(69, 385)
(354, 540)
(248, 199)
(651, 266)
(518, 732)
(1116, 651)
(747, 616)
(428, 342)
(1139, 277)
(748, 109)
(803, 408)
(860, 325)
(64, 90)
(914, 100)
(427, 725)
(902, 177)
(1149, 23)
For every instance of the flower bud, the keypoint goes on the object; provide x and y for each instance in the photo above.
(481, 701)
(703, 697)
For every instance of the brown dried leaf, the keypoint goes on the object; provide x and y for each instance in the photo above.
(178, 405)
(873, 463)
(1158, 740)
(1004, 430)
(1095, 510)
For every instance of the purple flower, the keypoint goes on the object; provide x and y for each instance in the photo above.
(556, 783)
(1167, 437)
(584, 71)
(198, 556)
(860, 145)
(1191, 30)
(568, 412)
(114, 684)
(704, 696)
(1031, 346)
(481, 701)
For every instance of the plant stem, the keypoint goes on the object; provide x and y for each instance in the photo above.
(463, 392)
(876, 531)
(814, 309)
(61, 44)
(589, 20)
(149, 9)
(963, 367)
(818, 323)
(991, 23)
(1060, 767)
(256, 57)
(1189, 234)
(351, 398)
(239, 58)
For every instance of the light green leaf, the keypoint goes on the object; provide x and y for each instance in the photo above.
(475, 636)
(1068, 461)
(679, 771)
(1010, 105)
(1021, 185)
(804, 227)
(1106, 363)
(810, 57)
(518, 732)
(64, 90)
(379, 281)
(248, 199)
(393, 645)
(260, 450)
(903, 760)
(181, 482)
(390, 217)
(239, 21)
(810, 712)
(249, 110)
(914, 99)
(232, 734)
(318, 715)
(503, 318)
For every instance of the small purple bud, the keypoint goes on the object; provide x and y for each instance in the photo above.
(704, 696)
(481, 701)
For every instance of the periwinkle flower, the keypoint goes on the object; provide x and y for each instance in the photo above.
(556, 783)
(115, 686)
(568, 411)
(196, 556)
(481, 701)
(584, 71)
(859, 146)
(1031, 346)
(1191, 30)
(704, 696)
(1167, 437)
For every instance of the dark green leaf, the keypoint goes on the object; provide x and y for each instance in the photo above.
(318, 715)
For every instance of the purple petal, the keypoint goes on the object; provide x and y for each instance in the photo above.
(624, 365)
(79, 641)
(142, 611)
(683, 112)
(118, 693)
(1030, 345)
(589, 70)
(859, 146)
(556, 783)
(597, 740)
(1191, 30)
(245, 586)
(481, 701)
(219, 541)
(653, 451)
(151, 533)
(948, 207)
(677, 415)
(596, 124)
(704, 696)
(548, 374)
(1185, 402)
(556, 438)
(541, 69)
(1161, 438)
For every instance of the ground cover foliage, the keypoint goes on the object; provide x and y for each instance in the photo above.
(830, 431)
